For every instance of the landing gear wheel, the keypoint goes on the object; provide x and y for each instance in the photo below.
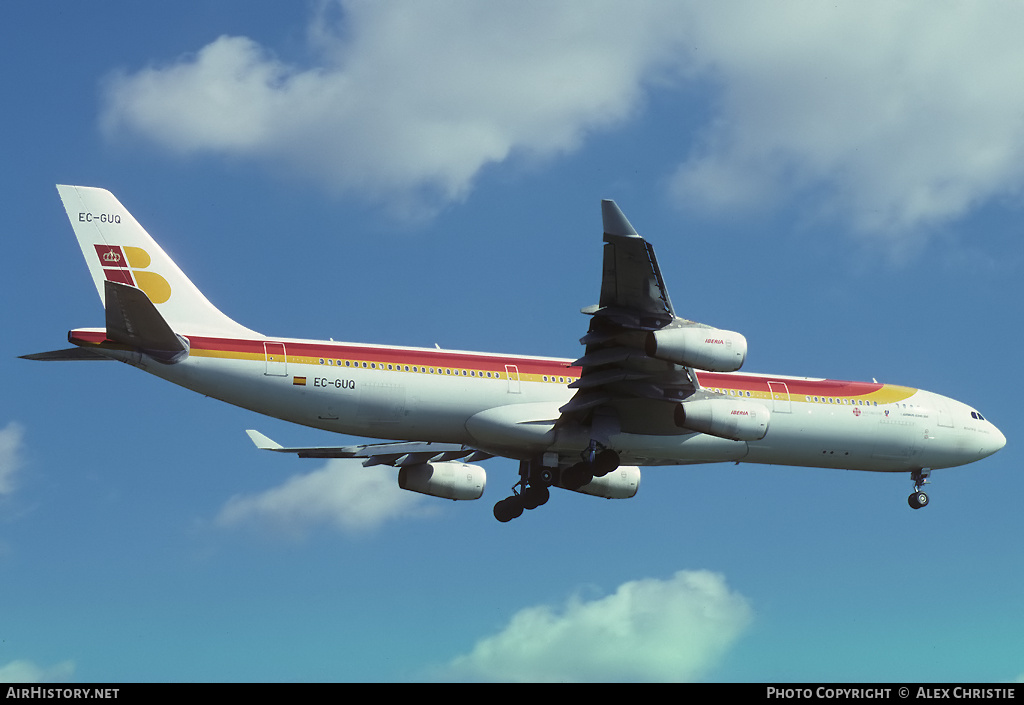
(508, 509)
(917, 500)
(534, 496)
(605, 462)
(575, 477)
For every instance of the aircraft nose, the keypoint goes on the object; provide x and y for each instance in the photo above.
(995, 441)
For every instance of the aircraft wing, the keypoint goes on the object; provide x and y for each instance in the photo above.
(620, 383)
(394, 454)
(632, 289)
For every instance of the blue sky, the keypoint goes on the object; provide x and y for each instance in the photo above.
(840, 182)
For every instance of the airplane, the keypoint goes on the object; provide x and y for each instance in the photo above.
(650, 389)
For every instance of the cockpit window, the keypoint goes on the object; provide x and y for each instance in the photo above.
(976, 415)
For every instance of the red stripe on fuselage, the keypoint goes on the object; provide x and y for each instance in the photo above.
(801, 387)
(388, 355)
(426, 357)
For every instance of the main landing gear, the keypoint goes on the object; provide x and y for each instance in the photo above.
(535, 480)
(533, 491)
(918, 498)
(596, 462)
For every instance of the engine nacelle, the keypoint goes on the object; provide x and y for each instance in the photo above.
(620, 483)
(450, 480)
(708, 349)
(725, 418)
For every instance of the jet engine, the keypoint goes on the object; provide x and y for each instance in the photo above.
(620, 483)
(450, 480)
(725, 418)
(701, 347)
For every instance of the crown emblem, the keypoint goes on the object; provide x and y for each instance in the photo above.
(128, 264)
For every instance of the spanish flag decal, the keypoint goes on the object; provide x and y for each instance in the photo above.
(300, 381)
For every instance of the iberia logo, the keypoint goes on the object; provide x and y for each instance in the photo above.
(127, 265)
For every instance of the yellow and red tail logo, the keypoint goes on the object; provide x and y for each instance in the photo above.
(127, 265)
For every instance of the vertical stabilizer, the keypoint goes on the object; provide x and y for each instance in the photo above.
(118, 249)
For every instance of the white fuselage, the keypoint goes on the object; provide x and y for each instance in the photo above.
(508, 405)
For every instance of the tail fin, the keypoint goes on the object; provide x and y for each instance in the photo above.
(118, 249)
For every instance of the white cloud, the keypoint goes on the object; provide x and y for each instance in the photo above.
(889, 116)
(648, 630)
(406, 97)
(342, 494)
(894, 116)
(22, 671)
(10, 455)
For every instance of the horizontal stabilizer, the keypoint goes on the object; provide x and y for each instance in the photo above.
(133, 320)
(66, 354)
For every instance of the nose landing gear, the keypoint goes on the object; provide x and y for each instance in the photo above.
(917, 498)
